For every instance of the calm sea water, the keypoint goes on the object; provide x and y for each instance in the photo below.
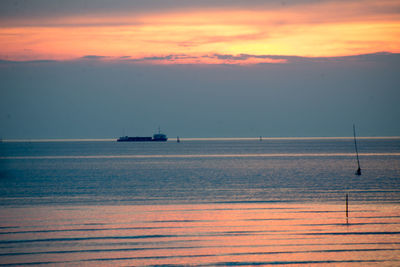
(208, 202)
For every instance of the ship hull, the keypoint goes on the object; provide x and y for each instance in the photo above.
(140, 139)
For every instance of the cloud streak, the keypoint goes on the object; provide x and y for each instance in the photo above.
(210, 59)
(220, 59)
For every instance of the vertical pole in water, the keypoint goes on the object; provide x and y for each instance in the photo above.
(347, 206)
(358, 172)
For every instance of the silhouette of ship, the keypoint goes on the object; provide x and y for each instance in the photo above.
(158, 137)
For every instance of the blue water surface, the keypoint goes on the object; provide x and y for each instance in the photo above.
(198, 171)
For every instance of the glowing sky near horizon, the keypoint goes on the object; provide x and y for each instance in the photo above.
(196, 34)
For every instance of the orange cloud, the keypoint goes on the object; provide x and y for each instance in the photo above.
(327, 29)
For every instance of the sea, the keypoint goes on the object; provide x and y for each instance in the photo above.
(200, 202)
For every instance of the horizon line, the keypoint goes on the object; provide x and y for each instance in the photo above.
(199, 139)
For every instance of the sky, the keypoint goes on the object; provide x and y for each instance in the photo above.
(102, 69)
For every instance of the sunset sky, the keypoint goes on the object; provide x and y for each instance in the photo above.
(177, 31)
(72, 69)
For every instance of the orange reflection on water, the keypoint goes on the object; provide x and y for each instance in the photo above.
(209, 234)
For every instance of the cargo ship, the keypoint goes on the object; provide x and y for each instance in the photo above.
(158, 137)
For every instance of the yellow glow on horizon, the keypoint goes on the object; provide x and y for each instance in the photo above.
(205, 32)
(327, 40)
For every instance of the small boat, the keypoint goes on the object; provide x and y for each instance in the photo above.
(177, 139)
(358, 171)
